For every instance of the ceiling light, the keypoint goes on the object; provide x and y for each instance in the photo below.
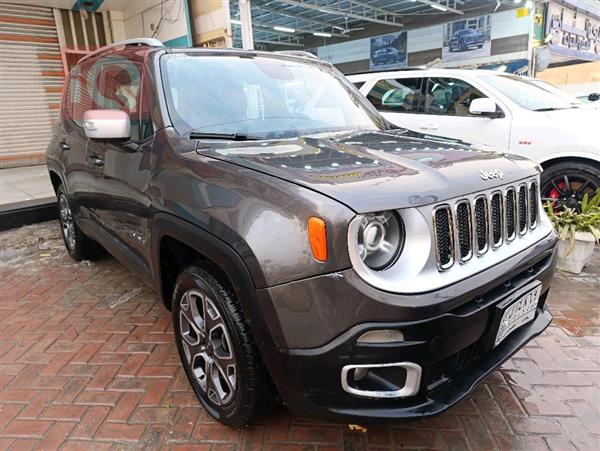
(529, 4)
(518, 2)
(236, 22)
(323, 34)
(438, 7)
(284, 29)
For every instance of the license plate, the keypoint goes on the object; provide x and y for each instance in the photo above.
(518, 313)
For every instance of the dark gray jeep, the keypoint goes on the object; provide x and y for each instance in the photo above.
(307, 248)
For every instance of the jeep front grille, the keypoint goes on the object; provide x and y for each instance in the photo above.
(470, 227)
(444, 237)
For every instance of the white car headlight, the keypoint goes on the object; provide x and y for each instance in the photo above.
(380, 239)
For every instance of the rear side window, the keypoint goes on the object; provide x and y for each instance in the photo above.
(449, 96)
(396, 95)
(80, 96)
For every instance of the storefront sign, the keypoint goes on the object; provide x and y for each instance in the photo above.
(574, 33)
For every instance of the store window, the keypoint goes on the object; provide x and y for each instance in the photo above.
(449, 96)
(396, 95)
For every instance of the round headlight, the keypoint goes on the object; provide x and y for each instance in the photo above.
(380, 238)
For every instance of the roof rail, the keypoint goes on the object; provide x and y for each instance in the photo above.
(150, 42)
(301, 53)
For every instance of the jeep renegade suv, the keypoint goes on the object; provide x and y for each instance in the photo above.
(306, 247)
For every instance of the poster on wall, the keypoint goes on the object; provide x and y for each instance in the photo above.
(467, 39)
(388, 51)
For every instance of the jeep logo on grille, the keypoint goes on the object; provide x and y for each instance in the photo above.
(491, 174)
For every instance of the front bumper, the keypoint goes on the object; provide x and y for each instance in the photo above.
(450, 340)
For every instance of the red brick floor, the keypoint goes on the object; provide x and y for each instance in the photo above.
(83, 368)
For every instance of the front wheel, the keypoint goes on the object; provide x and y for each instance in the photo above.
(565, 184)
(216, 349)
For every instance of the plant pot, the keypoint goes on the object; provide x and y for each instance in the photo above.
(580, 255)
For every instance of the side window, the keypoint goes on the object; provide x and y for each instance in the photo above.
(396, 95)
(358, 84)
(449, 96)
(119, 87)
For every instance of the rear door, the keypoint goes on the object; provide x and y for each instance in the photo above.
(398, 99)
(445, 112)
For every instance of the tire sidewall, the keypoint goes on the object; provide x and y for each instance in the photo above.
(198, 278)
(75, 253)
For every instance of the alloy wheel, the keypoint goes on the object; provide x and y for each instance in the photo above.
(207, 346)
(567, 191)
(66, 221)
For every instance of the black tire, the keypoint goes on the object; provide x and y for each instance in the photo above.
(253, 394)
(582, 178)
(79, 246)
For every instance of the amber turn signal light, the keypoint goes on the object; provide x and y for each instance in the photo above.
(317, 235)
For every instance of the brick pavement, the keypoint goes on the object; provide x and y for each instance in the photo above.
(81, 367)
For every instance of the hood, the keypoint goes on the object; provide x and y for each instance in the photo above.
(373, 171)
(580, 123)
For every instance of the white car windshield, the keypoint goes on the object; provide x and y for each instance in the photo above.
(260, 97)
(526, 94)
(556, 91)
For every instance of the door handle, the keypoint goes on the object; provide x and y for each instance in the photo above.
(64, 146)
(97, 161)
(428, 127)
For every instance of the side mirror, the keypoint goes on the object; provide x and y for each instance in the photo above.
(594, 97)
(106, 124)
(483, 106)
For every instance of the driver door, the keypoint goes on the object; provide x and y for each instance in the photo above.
(121, 169)
(446, 112)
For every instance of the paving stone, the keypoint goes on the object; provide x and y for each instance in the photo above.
(78, 374)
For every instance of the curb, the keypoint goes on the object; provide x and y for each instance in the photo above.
(18, 214)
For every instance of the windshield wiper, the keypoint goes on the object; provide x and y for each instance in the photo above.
(226, 136)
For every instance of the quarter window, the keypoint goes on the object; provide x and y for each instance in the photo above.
(449, 96)
(397, 95)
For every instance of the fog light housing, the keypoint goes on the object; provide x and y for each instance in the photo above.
(381, 336)
(382, 380)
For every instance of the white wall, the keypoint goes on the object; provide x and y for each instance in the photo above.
(141, 18)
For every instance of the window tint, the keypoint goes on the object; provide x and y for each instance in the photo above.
(449, 96)
(398, 95)
(106, 85)
(119, 88)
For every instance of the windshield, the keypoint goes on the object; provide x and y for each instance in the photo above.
(557, 91)
(261, 97)
(527, 94)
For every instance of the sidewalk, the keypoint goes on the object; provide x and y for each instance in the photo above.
(19, 186)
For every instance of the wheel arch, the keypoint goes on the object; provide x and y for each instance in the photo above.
(55, 179)
(177, 243)
(571, 158)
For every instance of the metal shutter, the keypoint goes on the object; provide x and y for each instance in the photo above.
(31, 80)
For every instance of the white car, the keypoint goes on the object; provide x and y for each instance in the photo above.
(503, 111)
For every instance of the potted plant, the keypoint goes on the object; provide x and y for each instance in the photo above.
(579, 231)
